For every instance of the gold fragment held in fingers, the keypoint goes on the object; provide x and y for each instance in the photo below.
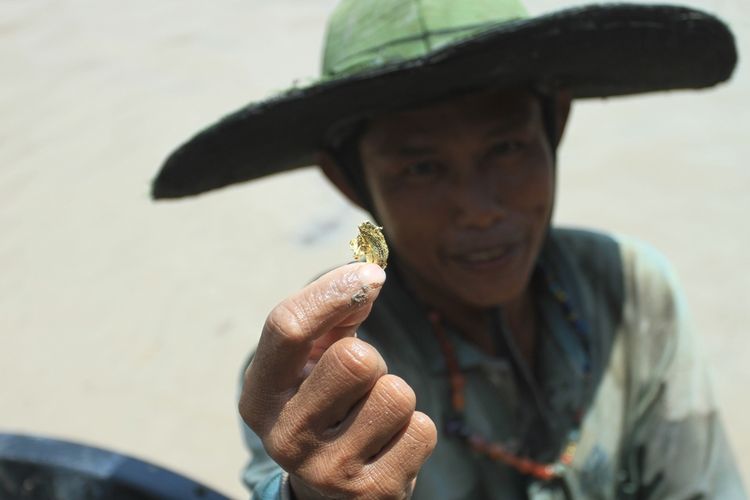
(370, 244)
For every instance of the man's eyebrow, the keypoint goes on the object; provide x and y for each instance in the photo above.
(509, 123)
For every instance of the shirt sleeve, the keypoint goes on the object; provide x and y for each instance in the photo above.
(263, 477)
(675, 447)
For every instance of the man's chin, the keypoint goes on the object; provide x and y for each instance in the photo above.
(470, 289)
(490, 289)
(490, 297)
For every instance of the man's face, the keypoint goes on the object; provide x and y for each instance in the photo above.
(464, 190)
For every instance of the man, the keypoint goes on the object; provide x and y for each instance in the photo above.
(502, 358)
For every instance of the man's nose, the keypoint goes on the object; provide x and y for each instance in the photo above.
(477, 204)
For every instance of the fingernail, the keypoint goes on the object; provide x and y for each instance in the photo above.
(371, 274)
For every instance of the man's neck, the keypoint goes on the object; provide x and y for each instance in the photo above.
(475, 324)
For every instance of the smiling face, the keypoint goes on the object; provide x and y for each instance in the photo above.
(464, 190)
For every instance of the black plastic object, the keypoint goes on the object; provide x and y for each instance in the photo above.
(49, 469)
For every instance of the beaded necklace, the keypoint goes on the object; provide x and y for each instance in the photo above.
(456, 423)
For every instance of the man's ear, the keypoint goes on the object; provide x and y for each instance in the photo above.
(333, 171)
(563, 99)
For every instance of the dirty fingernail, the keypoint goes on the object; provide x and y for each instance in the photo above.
(370, 274)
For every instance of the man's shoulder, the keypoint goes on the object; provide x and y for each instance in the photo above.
(594, 256)
(600, 251)
(653, 308)
(583, 243)
(622, 268)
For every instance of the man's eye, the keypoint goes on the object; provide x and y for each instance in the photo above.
(506, 147)
(422, 169)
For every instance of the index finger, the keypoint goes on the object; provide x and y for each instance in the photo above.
(340, 298)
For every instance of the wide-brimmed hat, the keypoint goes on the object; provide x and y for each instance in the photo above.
(384, 55)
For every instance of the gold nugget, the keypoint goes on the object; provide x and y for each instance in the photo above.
(370, 244)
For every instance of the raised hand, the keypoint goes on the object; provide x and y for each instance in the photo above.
(322, 401)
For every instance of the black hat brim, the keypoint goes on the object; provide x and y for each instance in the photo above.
(593, 51)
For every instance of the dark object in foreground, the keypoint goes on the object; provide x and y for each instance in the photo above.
(42, 468)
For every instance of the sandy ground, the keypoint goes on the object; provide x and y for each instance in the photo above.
(124, 322)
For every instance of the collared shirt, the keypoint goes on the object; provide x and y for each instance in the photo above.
(631, 380)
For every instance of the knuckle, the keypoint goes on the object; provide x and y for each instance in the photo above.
(288, 321)
(357, 359)
(253, 411)
(386, 487)
(422, 433)
(250, 417)
(396, 394)
(277, 447)
(346, 468)
(335, 473)
(289, 448)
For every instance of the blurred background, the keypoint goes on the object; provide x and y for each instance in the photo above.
(124, 323)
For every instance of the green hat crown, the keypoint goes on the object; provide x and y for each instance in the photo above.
(368, 34)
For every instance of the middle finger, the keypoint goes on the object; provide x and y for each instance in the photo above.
(345, 373)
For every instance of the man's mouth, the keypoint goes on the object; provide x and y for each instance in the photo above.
(486, 256)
